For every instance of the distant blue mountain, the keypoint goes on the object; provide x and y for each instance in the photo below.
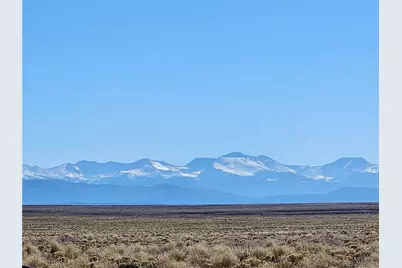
(235, 173)
(350, 194)
(58, 192)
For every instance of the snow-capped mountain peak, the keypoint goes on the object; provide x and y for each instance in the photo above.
(350, 164)
(235, 154)
(234, 164)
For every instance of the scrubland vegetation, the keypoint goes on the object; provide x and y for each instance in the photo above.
(311, 241)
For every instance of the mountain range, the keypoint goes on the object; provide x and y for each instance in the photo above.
(231, 178)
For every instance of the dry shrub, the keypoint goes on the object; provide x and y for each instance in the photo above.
(154, 250)
(141, 256)
(113, 251)
(169, 246)
(295, 259)
(114, 238)
(36, 261)
(322, 261)
(180, 244)
(184, 237)
(120, 249)
(177, 255)
(164, 262)
(70, 251)
(223, 257)
(30, 249)
(241, 253)
(278, 252)
(302, 246)
(198, 255)
(94, 251)
(89, 236)
(269, 243)
(250, 262)
(55, 246)
(135, 248)
(80, 262)
(261, 253)
(108, 253)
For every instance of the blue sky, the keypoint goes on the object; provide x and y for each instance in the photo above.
(173, 80)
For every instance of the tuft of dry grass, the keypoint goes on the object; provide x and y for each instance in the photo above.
(223, 257)
(178, 254)
(70, 251)
(199, 255)
(269, 243)
(261, 253)
(54, 246)
(36, 261)
(30, 249)
(279, 252)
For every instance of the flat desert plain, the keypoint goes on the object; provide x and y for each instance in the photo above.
(243, 236)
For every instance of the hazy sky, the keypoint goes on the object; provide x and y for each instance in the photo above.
(173, 80)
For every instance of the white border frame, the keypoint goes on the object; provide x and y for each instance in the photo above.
(11, 132)
(390, 86)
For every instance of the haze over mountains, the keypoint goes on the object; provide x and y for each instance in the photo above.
(231, 178)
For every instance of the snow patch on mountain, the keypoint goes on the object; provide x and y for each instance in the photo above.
(159, 166)
(240, 166)
(136, 173)
(370, 169)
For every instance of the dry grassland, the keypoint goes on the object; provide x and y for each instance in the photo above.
(54, 240)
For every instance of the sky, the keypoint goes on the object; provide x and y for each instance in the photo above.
(174, 80)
